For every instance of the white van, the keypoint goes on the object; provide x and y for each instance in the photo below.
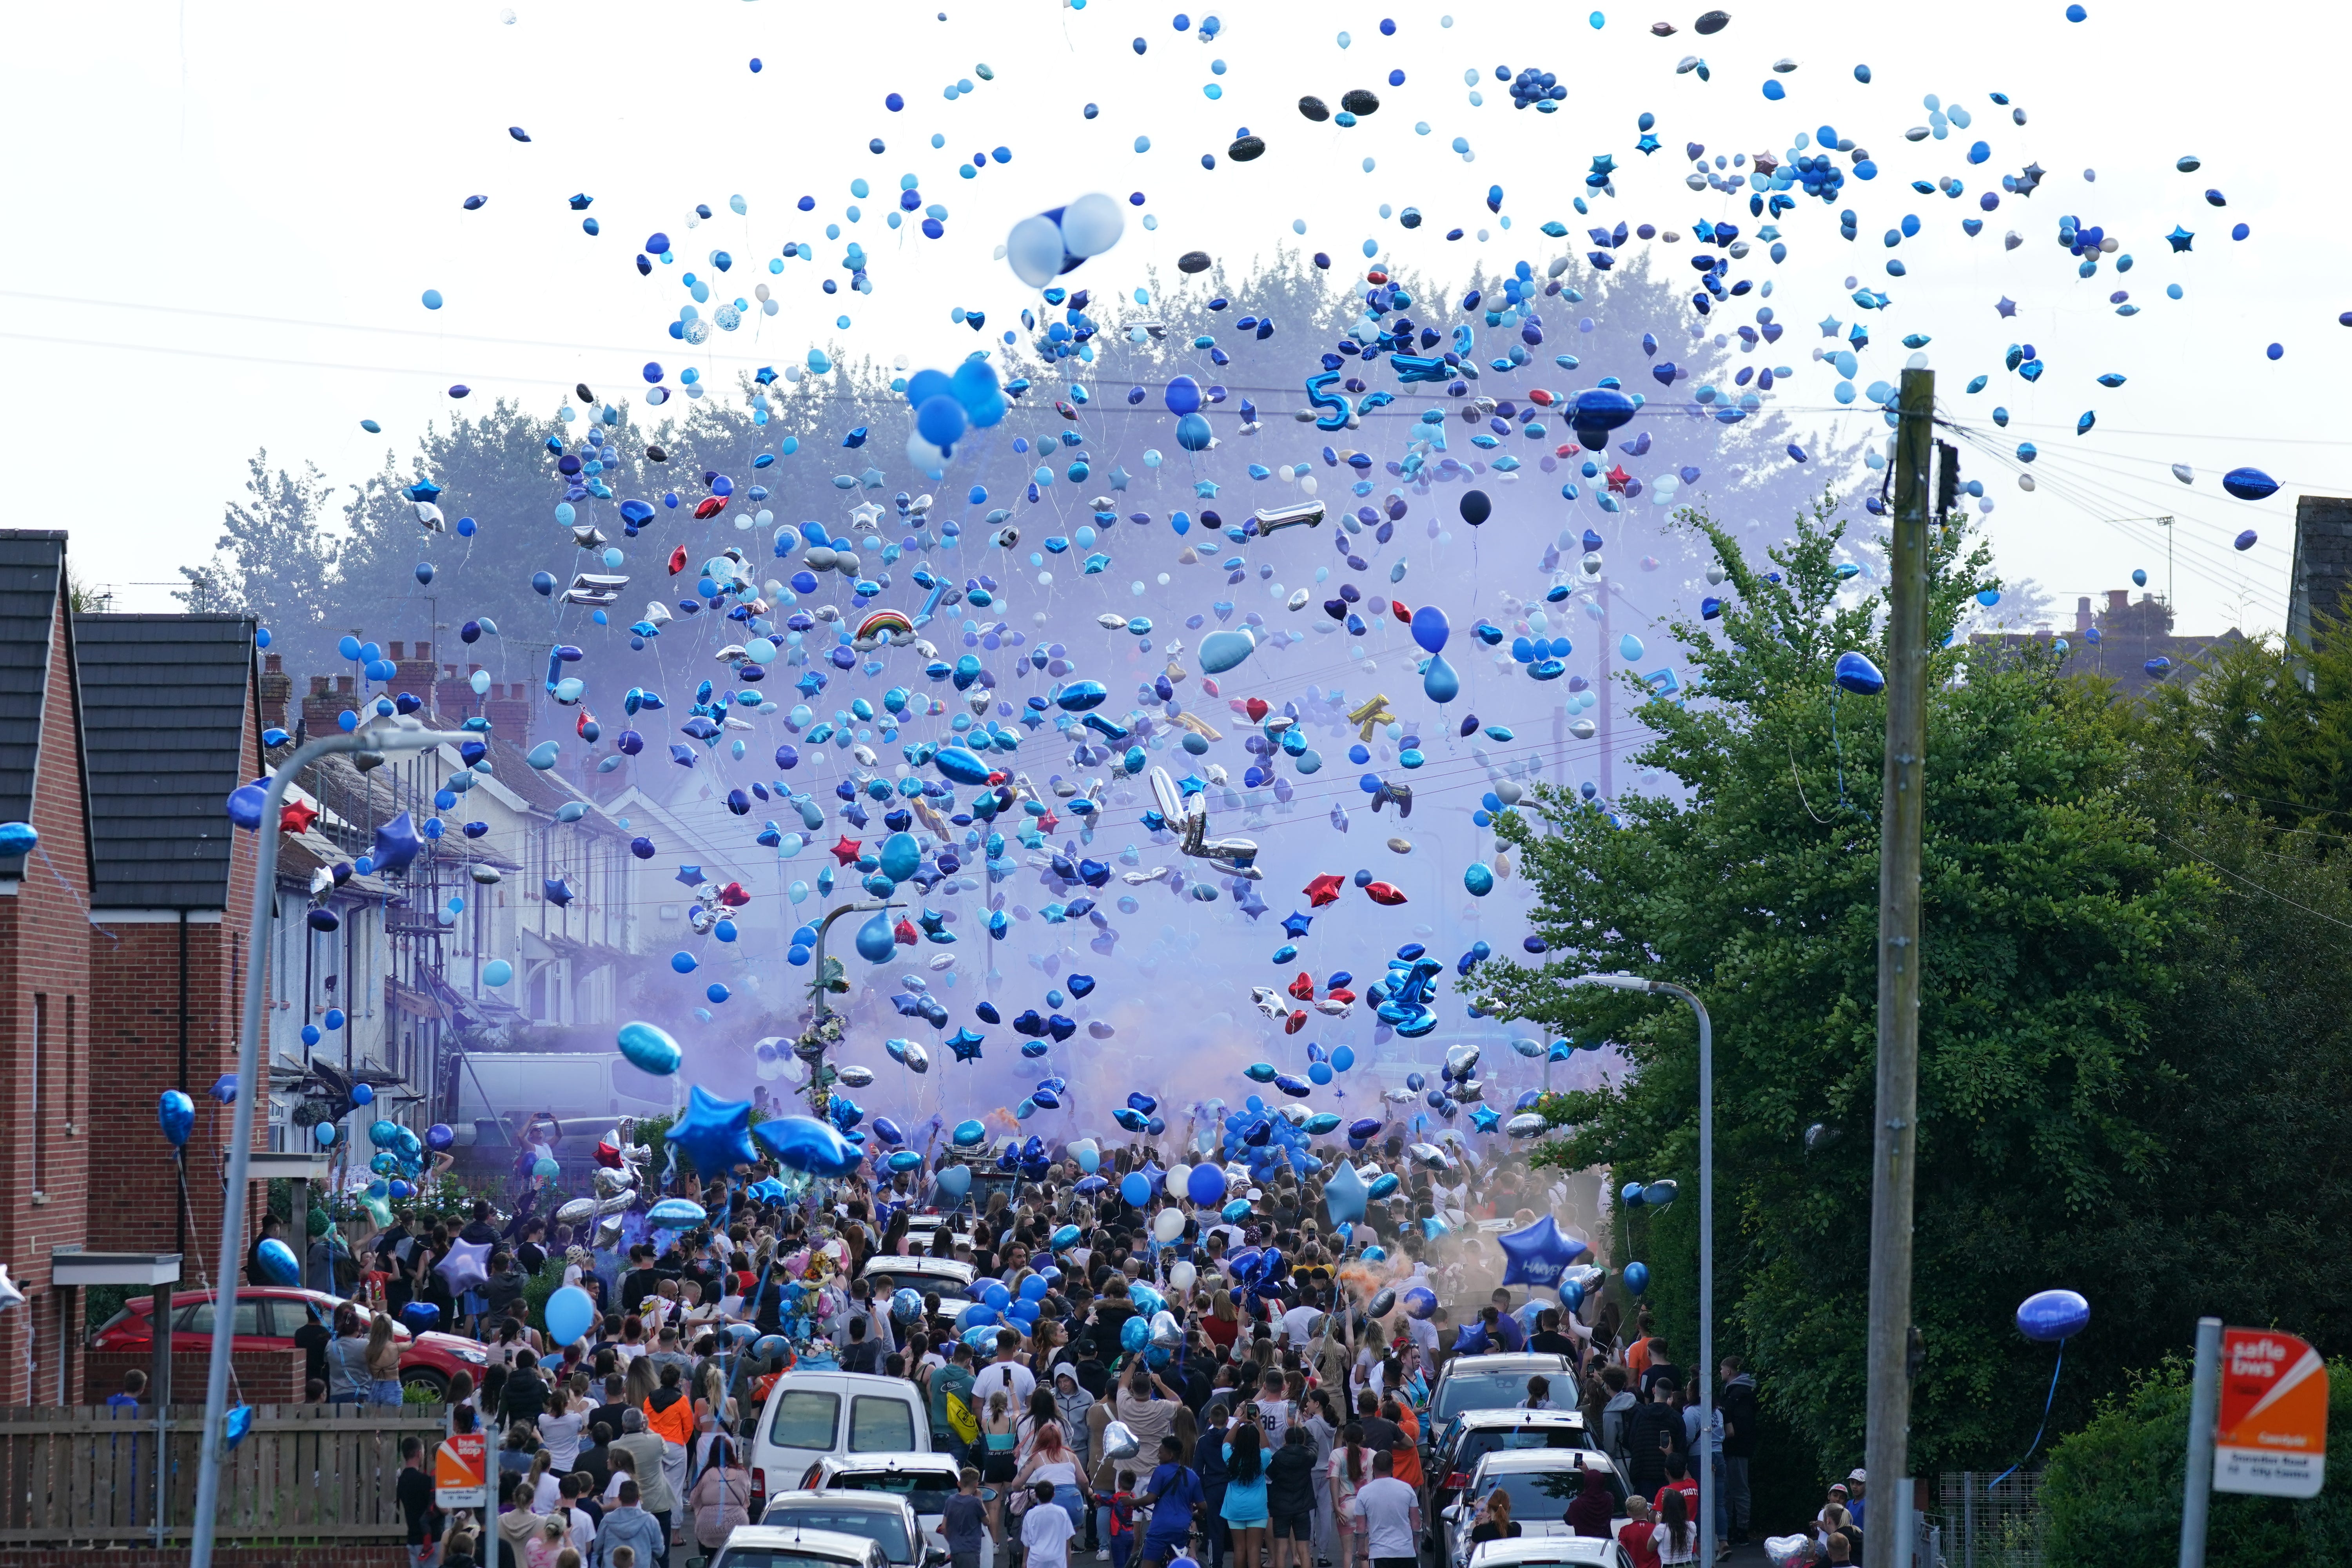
(587, 1092)
(810, 1414)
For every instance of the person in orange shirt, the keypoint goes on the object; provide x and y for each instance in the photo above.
(1407, 1463)
(1638, 1354)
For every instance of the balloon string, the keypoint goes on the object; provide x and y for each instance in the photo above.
(2050, 1400)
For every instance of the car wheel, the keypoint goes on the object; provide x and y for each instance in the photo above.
(426, 1378)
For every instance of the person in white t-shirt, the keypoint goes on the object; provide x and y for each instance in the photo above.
(1299, 1324)
(1006, 1373)
(1391, 1515)
(1046, 1530)
(1274, 1412)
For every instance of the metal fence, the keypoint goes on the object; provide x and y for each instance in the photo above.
(1989, 1526)
(87, 1475)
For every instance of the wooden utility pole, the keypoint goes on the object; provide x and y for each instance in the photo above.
(1895, 1144)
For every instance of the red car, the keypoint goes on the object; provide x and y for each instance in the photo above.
(266, 1319)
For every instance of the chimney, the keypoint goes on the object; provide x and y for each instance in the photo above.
(2118, 601)
(413, 673)
(327, 702)
(508, 707)
(453, 694)
(277, 688)
(2082, 615)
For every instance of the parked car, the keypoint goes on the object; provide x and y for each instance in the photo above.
(1550, 1551)
(1470, 1437)
(810, 1414)
(888, 1522)
(789, 1546)
(267, 1318)
(925, 1481)
(1541, 1482)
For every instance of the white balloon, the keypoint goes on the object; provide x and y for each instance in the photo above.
(1169, 1225)
(1034, 250)
(1181, 1276)
(1178, 1181)
(1091, 224)
(481, 682)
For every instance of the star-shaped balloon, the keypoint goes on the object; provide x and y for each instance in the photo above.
(1294, 924)
(846, 850)
(934, 926)
(396, 844)
(871, 478)
(1249, 903)
(805, 1144)
(1324, 890)
(467, 1266)
(1345, 1194)
(1120, 478)
(1828, 326)
(296, 816)
(1539, 1255)
(715, 1134)
(867, 514)
(2179, 237)
(1484, 1117)
(1205, 490)
(691, 876)
(966, 1045)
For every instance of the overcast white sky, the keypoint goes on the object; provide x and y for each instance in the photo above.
(222, 215)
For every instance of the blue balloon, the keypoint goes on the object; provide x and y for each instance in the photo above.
(2051, 1315)
(941, 421)
(277, 1263)
(1034, 1287)
(175, 1113)
(1134, 1334)
(1856, 674)
(1192, 433)
(805, 1144)
(954, 1182)
(875, 941)
(649, 1049)
(1206, 1184)
(571, 1313)
(1430, 629)
(1637, 1277)
(1136, 1189)
(996, 1296)
(901, 857)
(1183, 397)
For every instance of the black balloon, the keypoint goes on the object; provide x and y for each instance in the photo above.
(1713, 22)
(585, 395)
(656, 454)
(1247, 149)
(1314, 108)
(1476, 507)
(1360, 103)
(1193, 261)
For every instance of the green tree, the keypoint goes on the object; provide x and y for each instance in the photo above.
(2049, 911)
(2112, 1496)
(275, 558)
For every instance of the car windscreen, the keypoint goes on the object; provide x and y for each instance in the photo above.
(925, 1490)
(1462, 1392)
(885, 1526)
(1476, 1446)
(1546, 1494)
(880, 1425)
(775, 1557)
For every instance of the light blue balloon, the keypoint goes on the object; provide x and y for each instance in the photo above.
(1224, 650)
(875, 943)
(277, 1263)
(1439, 683)
(650, 1049)
(967, 1135)
(954, 1182)
(1479, 877)
(1629, 647)
(798, 893)
(901, 857)
(497, 972)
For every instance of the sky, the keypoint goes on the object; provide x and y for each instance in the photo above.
(224, 217)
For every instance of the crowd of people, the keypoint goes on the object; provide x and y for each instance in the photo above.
(1283, 1428)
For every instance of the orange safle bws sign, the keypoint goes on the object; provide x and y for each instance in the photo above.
(2272, 1437)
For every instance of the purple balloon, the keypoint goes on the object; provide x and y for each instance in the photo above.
(2051, 1315)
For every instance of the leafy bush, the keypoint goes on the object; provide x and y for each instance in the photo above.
(2112, 1495)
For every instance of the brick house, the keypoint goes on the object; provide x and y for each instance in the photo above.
(45, 971)
(170, 723)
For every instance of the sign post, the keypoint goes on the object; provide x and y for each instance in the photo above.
(461, 1479)
(2271, 1434)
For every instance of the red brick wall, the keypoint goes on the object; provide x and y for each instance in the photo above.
(262, 1377)
(134, 1035)
(45, 940)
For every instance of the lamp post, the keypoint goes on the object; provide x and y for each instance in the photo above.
(1706, 1481)
(811, 1046)
(400, 734)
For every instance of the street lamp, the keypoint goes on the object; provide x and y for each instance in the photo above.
(1706, 1481)
(810, 1047)
(403, 733)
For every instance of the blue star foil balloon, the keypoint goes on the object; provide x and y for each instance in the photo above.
(1539, 1256)
(1345, 1194)
(714, 1133)
(805, 1144)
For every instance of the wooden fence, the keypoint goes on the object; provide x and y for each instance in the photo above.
(304, 1472)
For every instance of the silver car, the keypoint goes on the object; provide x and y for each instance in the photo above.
(758, 1546)
(889, 1522)
(1540, 1483)
(924, 1481)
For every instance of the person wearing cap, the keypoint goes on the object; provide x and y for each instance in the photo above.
(1856, 1484)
